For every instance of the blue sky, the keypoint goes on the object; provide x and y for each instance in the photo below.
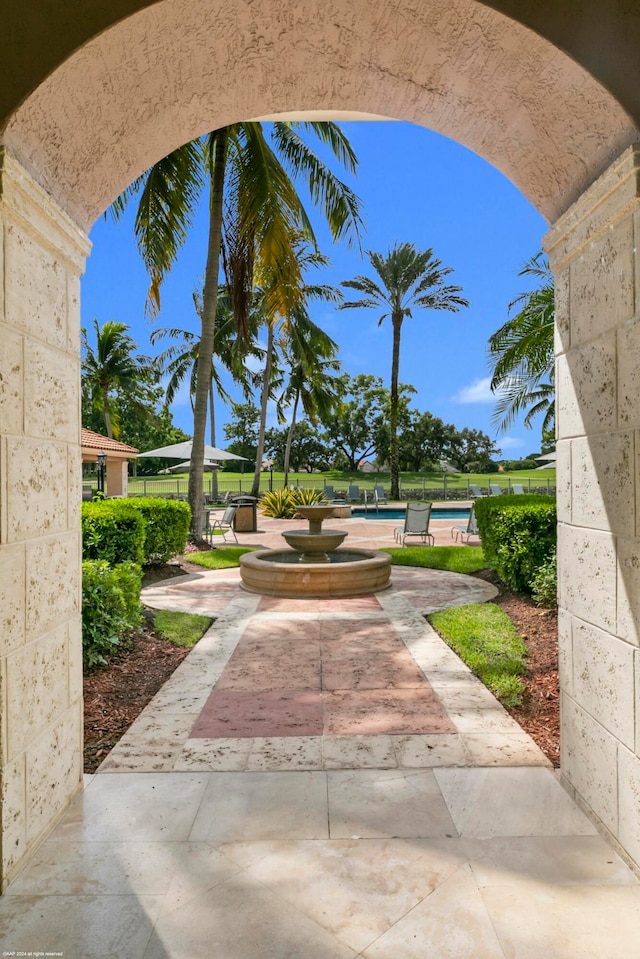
(415, 186)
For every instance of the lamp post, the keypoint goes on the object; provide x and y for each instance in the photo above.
(102, 463)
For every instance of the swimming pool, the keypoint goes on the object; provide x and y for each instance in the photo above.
(438, 512)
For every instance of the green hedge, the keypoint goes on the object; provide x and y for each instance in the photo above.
(113, 531)
(167, 527)
(110, 608)
(137, 530)
(518, 536)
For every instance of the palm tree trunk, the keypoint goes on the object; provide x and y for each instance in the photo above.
(107, 414)
(287, 452)
(205, 353)
(393, 414)
(212, 435)
(266, 383)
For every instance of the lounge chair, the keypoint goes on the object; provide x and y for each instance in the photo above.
(471, 529)
(495, 489)
(379, 495)
(329, 493)
(223, 525)
(353, 494)
(517, 488)
(416, 523)
(475, 490)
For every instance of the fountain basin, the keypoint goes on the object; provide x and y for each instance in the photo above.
(349, 572)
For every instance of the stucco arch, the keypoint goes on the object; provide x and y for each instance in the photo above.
(179, 68)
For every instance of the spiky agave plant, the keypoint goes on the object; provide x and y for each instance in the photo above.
(283, 503)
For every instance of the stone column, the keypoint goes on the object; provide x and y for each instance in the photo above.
(42, 255)
(117, 477)
(593, 251)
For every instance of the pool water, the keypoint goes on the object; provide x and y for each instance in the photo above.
(438, 512)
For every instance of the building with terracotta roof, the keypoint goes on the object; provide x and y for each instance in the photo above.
(117, 460)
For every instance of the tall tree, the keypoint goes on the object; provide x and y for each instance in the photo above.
(408, 278)
(114, 368)
(354, 424)
(286, 300)
(521, 354)
(255, 216)
(311, 359)
(179, 360)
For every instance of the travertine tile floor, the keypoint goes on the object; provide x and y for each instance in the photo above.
(345, 838)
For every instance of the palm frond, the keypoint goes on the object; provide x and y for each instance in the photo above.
(169, 197)
(339, 204)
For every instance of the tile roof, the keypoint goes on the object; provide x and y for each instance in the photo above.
(95, 441)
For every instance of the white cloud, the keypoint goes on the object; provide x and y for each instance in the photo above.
(477, 392)
(509, 442)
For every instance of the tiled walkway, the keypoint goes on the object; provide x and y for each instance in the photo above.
(324, 779)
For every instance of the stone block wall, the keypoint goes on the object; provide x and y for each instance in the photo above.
(42, 255)
(594, 250)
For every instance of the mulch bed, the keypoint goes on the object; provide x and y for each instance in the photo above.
(116, 694)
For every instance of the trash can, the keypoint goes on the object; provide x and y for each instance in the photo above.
(246, 515)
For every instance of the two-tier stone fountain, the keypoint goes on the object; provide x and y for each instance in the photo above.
(314, 565)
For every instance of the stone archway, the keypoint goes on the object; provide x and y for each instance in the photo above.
(175, 69)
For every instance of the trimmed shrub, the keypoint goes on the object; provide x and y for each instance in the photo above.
(144, 530)
(518, 536)
(110, 608)
(166, 527)
(112, 531)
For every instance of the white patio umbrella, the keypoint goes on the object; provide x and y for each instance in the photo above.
(182, 451)
(186, 466)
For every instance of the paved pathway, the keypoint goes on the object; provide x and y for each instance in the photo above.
(368, 798)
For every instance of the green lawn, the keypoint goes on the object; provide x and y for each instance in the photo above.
(224, 557)
(456, 559)
(181, 629)
(484, 637)
(433, 482)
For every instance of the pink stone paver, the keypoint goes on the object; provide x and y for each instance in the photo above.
(344, 676)
(239, 714)
(375, 712)
(273, 665)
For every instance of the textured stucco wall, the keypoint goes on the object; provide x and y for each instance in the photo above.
(42, 255)
(181, 67)
(595, 252)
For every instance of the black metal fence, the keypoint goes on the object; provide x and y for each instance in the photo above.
(446, 490)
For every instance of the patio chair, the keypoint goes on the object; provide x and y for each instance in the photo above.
(517, 488)
(471, 528)
(475, 490)
(329, 493)
(353, 494)
(416, 523)
(224, 524)
(379, 495)
(495, 489)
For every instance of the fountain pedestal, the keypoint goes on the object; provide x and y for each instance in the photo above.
(321, 570)
(314, 544)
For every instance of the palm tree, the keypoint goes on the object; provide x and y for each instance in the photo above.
(311, 358)
(285, 300)
(521, 354)
(409, 278)
(179, 361)
(255, 215)
(113, 368)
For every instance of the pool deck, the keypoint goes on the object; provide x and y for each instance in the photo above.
(324, 779)
(363, 533)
